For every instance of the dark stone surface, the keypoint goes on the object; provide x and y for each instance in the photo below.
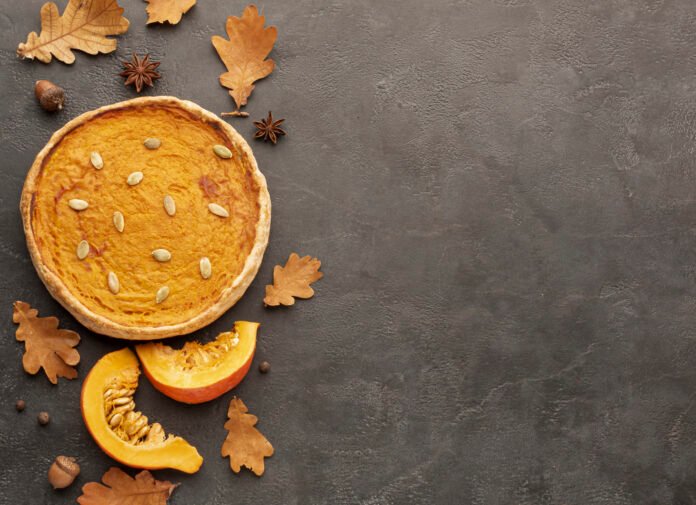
(503, 195)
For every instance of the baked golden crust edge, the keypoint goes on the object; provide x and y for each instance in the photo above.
(101, 324)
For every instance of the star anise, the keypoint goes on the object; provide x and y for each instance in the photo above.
(269, 129)
(140, 71)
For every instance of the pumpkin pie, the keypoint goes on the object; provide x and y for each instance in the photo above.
(146, 218)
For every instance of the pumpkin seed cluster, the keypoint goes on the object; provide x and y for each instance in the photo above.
(119, 408)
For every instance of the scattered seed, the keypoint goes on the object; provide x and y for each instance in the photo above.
(119, 221)
(43, 418)
(169, 205)
(264, 367)
(152, 143)
(96, 159)
(206, 268)
(218, 210)
(222, 151)
(161, 255)
(77, 204)
(20, 405)
(162, 294)
(134, 178)
(112, 282)
(82, 249)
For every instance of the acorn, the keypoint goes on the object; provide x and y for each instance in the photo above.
(63, 472)
(50, 96)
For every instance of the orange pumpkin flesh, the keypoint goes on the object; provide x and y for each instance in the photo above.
(198, 373)
(102, 390)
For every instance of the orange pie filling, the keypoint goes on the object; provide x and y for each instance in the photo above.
(146, 214)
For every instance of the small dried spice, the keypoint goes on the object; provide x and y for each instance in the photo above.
(63, 472)
(51, 97)
(268, 129)
(140, 72)
(20, 405)
(45, 345)
(43, 418)
(293, 280)
(119, 488)
(264, 367)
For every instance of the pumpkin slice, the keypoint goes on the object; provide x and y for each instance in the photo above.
(122, 432)
(197, 373)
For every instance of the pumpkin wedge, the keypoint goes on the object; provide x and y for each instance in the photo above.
(122, 432)
(197, 372)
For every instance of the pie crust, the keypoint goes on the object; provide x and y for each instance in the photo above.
(185, 167)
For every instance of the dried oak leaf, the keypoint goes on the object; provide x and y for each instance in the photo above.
(84, 26)
(167, 11)
(293, 280)
(244, 444)
(119, 488)
(45, 345)
(244, 55)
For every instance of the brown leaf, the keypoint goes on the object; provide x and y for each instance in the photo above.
(167, 11)
(119, 488)
(45, 345)
(84, 26)
(244, 54)
(244, 444)
(293, 280)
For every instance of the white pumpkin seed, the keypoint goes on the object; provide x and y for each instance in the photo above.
(152, 143)
(112, 282)
(235, 342)
(77, 204)
(82, 249)
(96, 159)
(222, 151)
(218, 210)
(169, 205)
(206, 267)
(119, 221)
(161, 255)
(162, 294)
(134, 178)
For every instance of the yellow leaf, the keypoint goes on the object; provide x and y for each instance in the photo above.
(167, 11)
(45, 345)
(293, 280)
(119, 488)
(84, 26)
(244, 54)
(244, 444)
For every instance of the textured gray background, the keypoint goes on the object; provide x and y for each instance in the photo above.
(503, 195)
